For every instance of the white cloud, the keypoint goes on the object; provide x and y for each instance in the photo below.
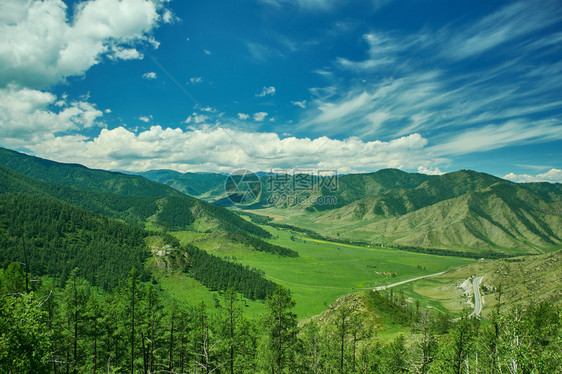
(243, 116)
(169, 17)
(301, 104)
(508, 23)
(498, 136)
(553, 175)
(260, 116)
(40, 46)
(28, 115)
(121, 53)
(211, 148)
(150, 75)
(207, 109)
(429, 171)
(145, 119)
(414, 84)
(334, 111)
(195, 80)
(266, 91)
(206, 51)
(196, 118)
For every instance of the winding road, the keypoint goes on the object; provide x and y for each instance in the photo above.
(477, 297)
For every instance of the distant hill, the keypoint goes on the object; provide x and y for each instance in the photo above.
(464, 209)
(206, 186)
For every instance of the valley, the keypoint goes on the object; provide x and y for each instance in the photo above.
(119, 238)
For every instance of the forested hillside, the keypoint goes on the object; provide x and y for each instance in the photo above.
(77, 328)
(127, 197)
(55, 238)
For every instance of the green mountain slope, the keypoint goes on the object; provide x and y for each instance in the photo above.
(81, 177)
(60, 237)
(460, 210)
(128, 197)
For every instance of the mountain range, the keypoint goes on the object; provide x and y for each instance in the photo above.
(459, 210)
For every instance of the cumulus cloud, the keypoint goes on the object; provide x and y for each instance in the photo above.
(260, 116)
(429, 171)
(195, 80)
(145, 119)
(243, 116)
(266, 91)
(212, 148)
(301, 104)
(30, 115)
(40, 46)
(150, 75)
(553, 175)
(120, 53)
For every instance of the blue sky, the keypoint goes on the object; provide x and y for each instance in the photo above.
(432, 86)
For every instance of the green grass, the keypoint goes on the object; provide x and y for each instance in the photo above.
(189, 292)
(324, 271)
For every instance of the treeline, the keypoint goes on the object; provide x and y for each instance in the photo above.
(135, 329)
(262, 245)
(449, 252)
(232, 222)
(218, 274)
(53, 238)
(433, 251)
(256, 218)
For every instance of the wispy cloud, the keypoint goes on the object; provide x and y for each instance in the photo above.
(196, 118)
(305, 4)
(266, 91)
(149, 75)
(300, 104)
(507, 24)
(428, 82)
(498, 136)
(195, 80)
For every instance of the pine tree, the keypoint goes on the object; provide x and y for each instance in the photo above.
(281, 325)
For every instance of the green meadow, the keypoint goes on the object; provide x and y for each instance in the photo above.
(323, 272)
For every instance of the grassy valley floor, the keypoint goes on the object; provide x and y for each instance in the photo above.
(324, 271)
